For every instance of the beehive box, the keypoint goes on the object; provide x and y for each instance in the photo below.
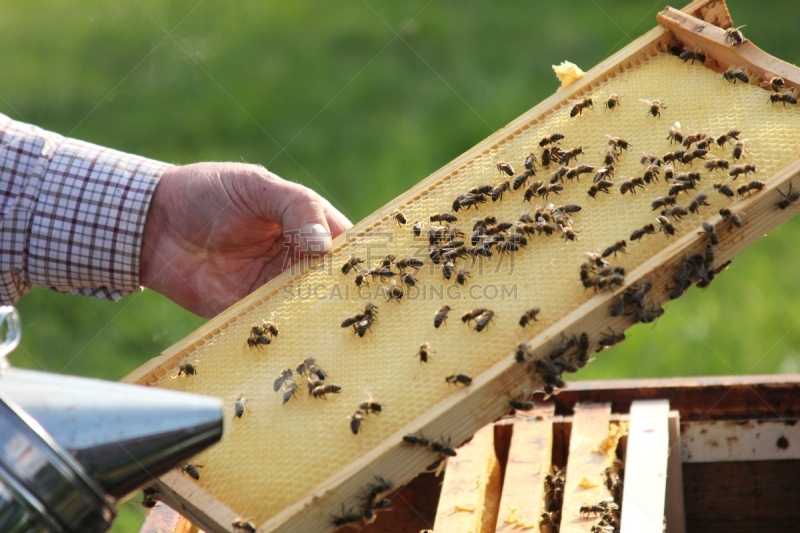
(298, 466)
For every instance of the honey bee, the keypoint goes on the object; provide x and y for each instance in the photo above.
(399, 217)
(738, 150)
(443, 217)
(734, 37)
(483, 320)
(350, 264)
(192, 470)
(281, 379)
(529, 315)
(521, 404)
(612, 102)
(569, 155)
(507, 247)
(724, 189)
(521, 179)
(497, 192)
(424, 352)
(578, 108)
(187, 368)
(417, 228)
(630, 185)
(598, 509)
(734, 74)
(675, 135)
(239, 407)
(665, 225)
(473, 314)
(521, 353)
(755, 185)
(618, 142)
(395, 292)
(569, 208)
(699, 200)
(600, 186)
(416, 440)
(663, 201)
(677, 155)
(411, 262)
(458, 379)
(734, 218)
(355, 422)
(462, 275)
(738, 170)
(371, 406)
(361, 279)
(693, 55)
(583, 168)
(321, 389)
(481, 189)
(381, 273)
(716, 164)
(447, 270)
(611, 157)
(559, 174)
(655, 107)
(240, 524)
(530, 162)
(689, 140)
(710, 232)
(550, 139)
(651, 173)
(731, 135)
(789, 198)
(545, 190)
(549, 154)
(776, 83)
(408, 279)
(618, 246)
(442, 447)
(289, 390)
(646, 317)
(505, 168)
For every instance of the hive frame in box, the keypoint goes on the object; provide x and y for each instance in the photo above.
(459, 415)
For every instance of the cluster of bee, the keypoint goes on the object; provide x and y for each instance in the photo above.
(479, 318)
(315, 377)
(362, 322)
(697, 269)
(613, 479)
(373, 499)
(149, 497)
(553, 500)
(568, 355)
(364, 409)
(598, 273)
(383, 271)
(630, 302)
(262, 334)
(442, 447)
(609, 514)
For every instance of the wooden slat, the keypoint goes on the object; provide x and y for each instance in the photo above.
(471, 488)
(697, 398)
(528, 462)
(695, 33)
(589, 428)
(646, 468)
(675, 511)
(740, 440)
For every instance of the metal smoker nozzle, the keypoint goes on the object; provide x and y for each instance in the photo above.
(69, 446)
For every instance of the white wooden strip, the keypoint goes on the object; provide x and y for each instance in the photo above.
(646, 468)
(470, 483)
(529, 458)
(589, 429)
(746, 440)
(675, 511)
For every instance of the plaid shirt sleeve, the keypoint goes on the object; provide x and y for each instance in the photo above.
(71, 214)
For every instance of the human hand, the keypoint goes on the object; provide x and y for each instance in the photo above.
(217, 231)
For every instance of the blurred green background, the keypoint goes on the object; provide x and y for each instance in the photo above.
(358, 100)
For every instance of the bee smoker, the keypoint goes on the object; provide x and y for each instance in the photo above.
(71, 447)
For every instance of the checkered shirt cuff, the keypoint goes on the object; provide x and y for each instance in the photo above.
(72, 214)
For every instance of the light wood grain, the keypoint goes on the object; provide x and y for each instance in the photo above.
(646, 468)
(529, 459)
(674, 506)
(470, 483)
(589, 427)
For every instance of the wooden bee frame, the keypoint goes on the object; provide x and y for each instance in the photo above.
(701, 24)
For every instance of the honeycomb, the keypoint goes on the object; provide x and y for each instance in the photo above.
(275, 454)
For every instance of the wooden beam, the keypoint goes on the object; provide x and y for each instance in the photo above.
(675, 511)
(646, 468)
(713, 441)
(586, 462)
(471, 489)
(528, 462)
(697, 398)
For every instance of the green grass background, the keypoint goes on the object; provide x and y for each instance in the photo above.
(359, 100)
